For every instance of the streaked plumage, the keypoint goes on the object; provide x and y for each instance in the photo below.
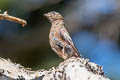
(60, 39)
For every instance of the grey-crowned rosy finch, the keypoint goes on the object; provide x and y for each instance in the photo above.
(60, 39)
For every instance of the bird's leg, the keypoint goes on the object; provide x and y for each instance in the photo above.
(63, 50)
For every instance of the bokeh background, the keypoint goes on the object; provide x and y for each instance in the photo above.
(94, 26)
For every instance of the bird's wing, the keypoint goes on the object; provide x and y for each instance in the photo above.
(66, 37)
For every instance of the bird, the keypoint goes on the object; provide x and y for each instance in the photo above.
(59, 38)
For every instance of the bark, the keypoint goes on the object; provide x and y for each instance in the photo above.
(71, 69)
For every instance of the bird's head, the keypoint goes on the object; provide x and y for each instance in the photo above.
(53, 16)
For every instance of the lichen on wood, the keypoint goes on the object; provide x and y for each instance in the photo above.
(71, 69)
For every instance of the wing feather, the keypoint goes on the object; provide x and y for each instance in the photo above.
(66, 37)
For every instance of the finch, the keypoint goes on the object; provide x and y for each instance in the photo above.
(60, 40)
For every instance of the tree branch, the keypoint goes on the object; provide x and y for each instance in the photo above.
(71, 69)
(5, 16)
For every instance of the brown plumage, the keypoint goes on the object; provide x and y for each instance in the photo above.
(60, 40)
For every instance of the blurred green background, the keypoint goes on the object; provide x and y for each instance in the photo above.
(94, 26)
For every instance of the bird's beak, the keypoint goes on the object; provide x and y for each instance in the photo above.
(46, 15)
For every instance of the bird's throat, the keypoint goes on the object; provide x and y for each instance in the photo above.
(58, 22)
